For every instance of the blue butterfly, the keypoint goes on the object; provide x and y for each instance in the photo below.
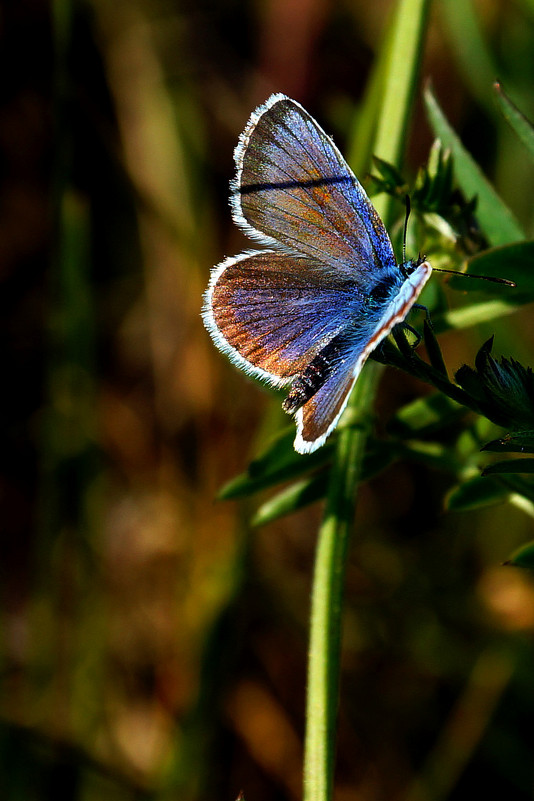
(306, 312)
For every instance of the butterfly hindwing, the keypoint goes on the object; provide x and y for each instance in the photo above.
(271, 312)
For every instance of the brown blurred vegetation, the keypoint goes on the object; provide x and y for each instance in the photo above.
(153, 646)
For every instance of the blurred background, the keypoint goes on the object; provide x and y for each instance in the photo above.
(153, 646)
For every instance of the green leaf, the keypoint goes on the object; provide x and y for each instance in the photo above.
(518, 485)
(425, 416)
(517, 442)
(512, 262)
(291, 499)
(504, 389)
(496, 219)
(277, 464)
(515, 118)
(475, 493)
(390, 177)
(430, 454)
(510, 466)
(474, 314)
(378, 456)
(523, 557)
(433, 184)
(402, 342)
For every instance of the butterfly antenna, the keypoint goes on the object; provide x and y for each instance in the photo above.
(406, 217)
(480, 277)
(441, 269)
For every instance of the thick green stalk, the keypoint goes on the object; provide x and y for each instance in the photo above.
(405, 43)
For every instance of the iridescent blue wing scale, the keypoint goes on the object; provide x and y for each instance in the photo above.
(308, 311)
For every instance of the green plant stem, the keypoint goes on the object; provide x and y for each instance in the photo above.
(404, 43)
(405, 51)
(328, 582)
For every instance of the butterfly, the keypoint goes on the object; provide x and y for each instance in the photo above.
(306, 311)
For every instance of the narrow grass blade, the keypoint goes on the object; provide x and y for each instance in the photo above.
(510, 466)
(475, 60)
(515, 118)
(496, 219)
(475, 493)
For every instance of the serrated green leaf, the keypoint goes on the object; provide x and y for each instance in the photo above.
(515, 118)
(433, 185)
(475, 493)
(495, 218)
(523, 557)
(503, 388)
(510, 466)
(292, 498)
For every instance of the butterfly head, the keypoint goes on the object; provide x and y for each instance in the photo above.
(409, 266)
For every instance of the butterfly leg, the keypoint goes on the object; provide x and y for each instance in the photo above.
(426, 311)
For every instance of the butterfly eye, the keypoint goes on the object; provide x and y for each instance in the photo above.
(411, 265)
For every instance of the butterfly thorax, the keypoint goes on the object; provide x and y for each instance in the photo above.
(389, 285)
(381, 293)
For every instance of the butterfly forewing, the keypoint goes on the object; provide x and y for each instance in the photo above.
(294, 187)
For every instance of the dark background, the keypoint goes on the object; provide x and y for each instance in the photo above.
(153, 646)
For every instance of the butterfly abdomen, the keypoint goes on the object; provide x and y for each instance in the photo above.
(313, 377)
